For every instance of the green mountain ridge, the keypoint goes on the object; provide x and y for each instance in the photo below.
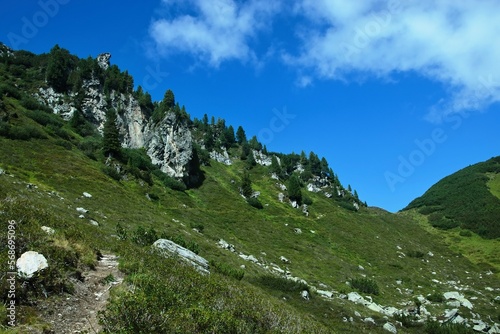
(362, 268)
(467, 199)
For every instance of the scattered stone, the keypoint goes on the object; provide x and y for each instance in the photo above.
(495, 329)
(313, 232)
(281, 197)
(454, 295)
(399, 282)
(458, 320)
(2, 171)
(48, 230)
(328, 195)
(480, 326)
(355, 297)
(82, 210)
(223, 157)
(284, 259)
(87, 195)
(450, 315)
(369, 321)
(294, 204)
(326, 294)
(225, 245)
(94, 223)
(29, 263)
(431, 254)
(81, 216)
(274, 176)
(305, 294)
(312, 188)
(360, 267)
(250, 258)
(168, 247)
(390, 328)
(297, 230)
(305, 210)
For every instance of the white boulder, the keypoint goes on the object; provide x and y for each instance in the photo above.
(168, 247)
(30, 263)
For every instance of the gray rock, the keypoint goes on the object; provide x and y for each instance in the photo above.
(93, 223)
(305, 294)
(225, 245)
(450, 315)
(281, 197)
(30, 263)
(250, 258)
(223, 157)
(167, 247)
(48, 230)
(103, 60)
(261, 158)
(312, 188)
(495, 329)
(326, 294)
(390, 328)
(82, 210)
(297, 230)
(87, 195)
(2, 171)
(369, 321)
(284, 259)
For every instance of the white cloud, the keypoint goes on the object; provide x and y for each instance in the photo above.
(448, 41)
(214, 31)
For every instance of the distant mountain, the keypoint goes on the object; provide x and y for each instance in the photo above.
(469, 198)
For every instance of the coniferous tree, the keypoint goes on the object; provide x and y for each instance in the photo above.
(294, 191)
(111, 140)
(58, 69)
(241, 137)
(275, 166)
(246, 185)
(315, 164)
(229, 138)
(245, 150)
(251, 160)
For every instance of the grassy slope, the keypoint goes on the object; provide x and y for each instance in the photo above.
(494, 185)
(465, 199)
(342, 241)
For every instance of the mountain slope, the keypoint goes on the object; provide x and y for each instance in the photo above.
(467, 199)
(328, 265)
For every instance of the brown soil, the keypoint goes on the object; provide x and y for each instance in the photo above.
(77, 312)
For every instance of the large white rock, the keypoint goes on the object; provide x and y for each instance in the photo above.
(48, 230)
(29, 263)
(390, 328)
(166, 247)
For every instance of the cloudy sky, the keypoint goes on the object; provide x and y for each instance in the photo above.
(395, 94)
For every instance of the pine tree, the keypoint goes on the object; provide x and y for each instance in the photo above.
(251, 160)
(294, 191)
(241, 137)
(275, 166)
(246, 185)
(111, 140)
(58, 68)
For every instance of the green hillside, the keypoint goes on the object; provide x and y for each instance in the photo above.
(335, 250)
(467, 199)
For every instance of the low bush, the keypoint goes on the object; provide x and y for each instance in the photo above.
(26, 132)
(255, 203)
(435, 327)
(415, 254)
(227, 270)
(436, 297)
(365, 285)
(111, 172)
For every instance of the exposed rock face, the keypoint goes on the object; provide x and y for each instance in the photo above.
(29, 263)
(168, 143)
(103, 60)
(261, 158)
(170, 146)
(223, 157)
(167, 247)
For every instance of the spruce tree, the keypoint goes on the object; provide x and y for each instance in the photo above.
(241, 137)
(294, 191)
(111, 139)
(246, 185)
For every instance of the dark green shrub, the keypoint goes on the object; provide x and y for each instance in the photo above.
(45, 119)
(143, 237)
(227, 270)
(121, 232)
(465, 233)
(255, 203)
(415, 254)
(307, 200)
(64, 143)
(436, 297)
(435, 327)
(10, 91)
(31, 103)
(26, 132)
(111, 172)
(90, 147)
(169, 182)
(153, 196)
(365, 285)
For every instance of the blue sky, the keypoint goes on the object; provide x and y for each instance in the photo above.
(394, 94)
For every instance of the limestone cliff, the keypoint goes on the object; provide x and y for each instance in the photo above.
(168, 142)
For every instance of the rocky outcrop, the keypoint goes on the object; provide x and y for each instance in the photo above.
(222, 157)
(103, 60)
(168, 142)
(170, 146)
